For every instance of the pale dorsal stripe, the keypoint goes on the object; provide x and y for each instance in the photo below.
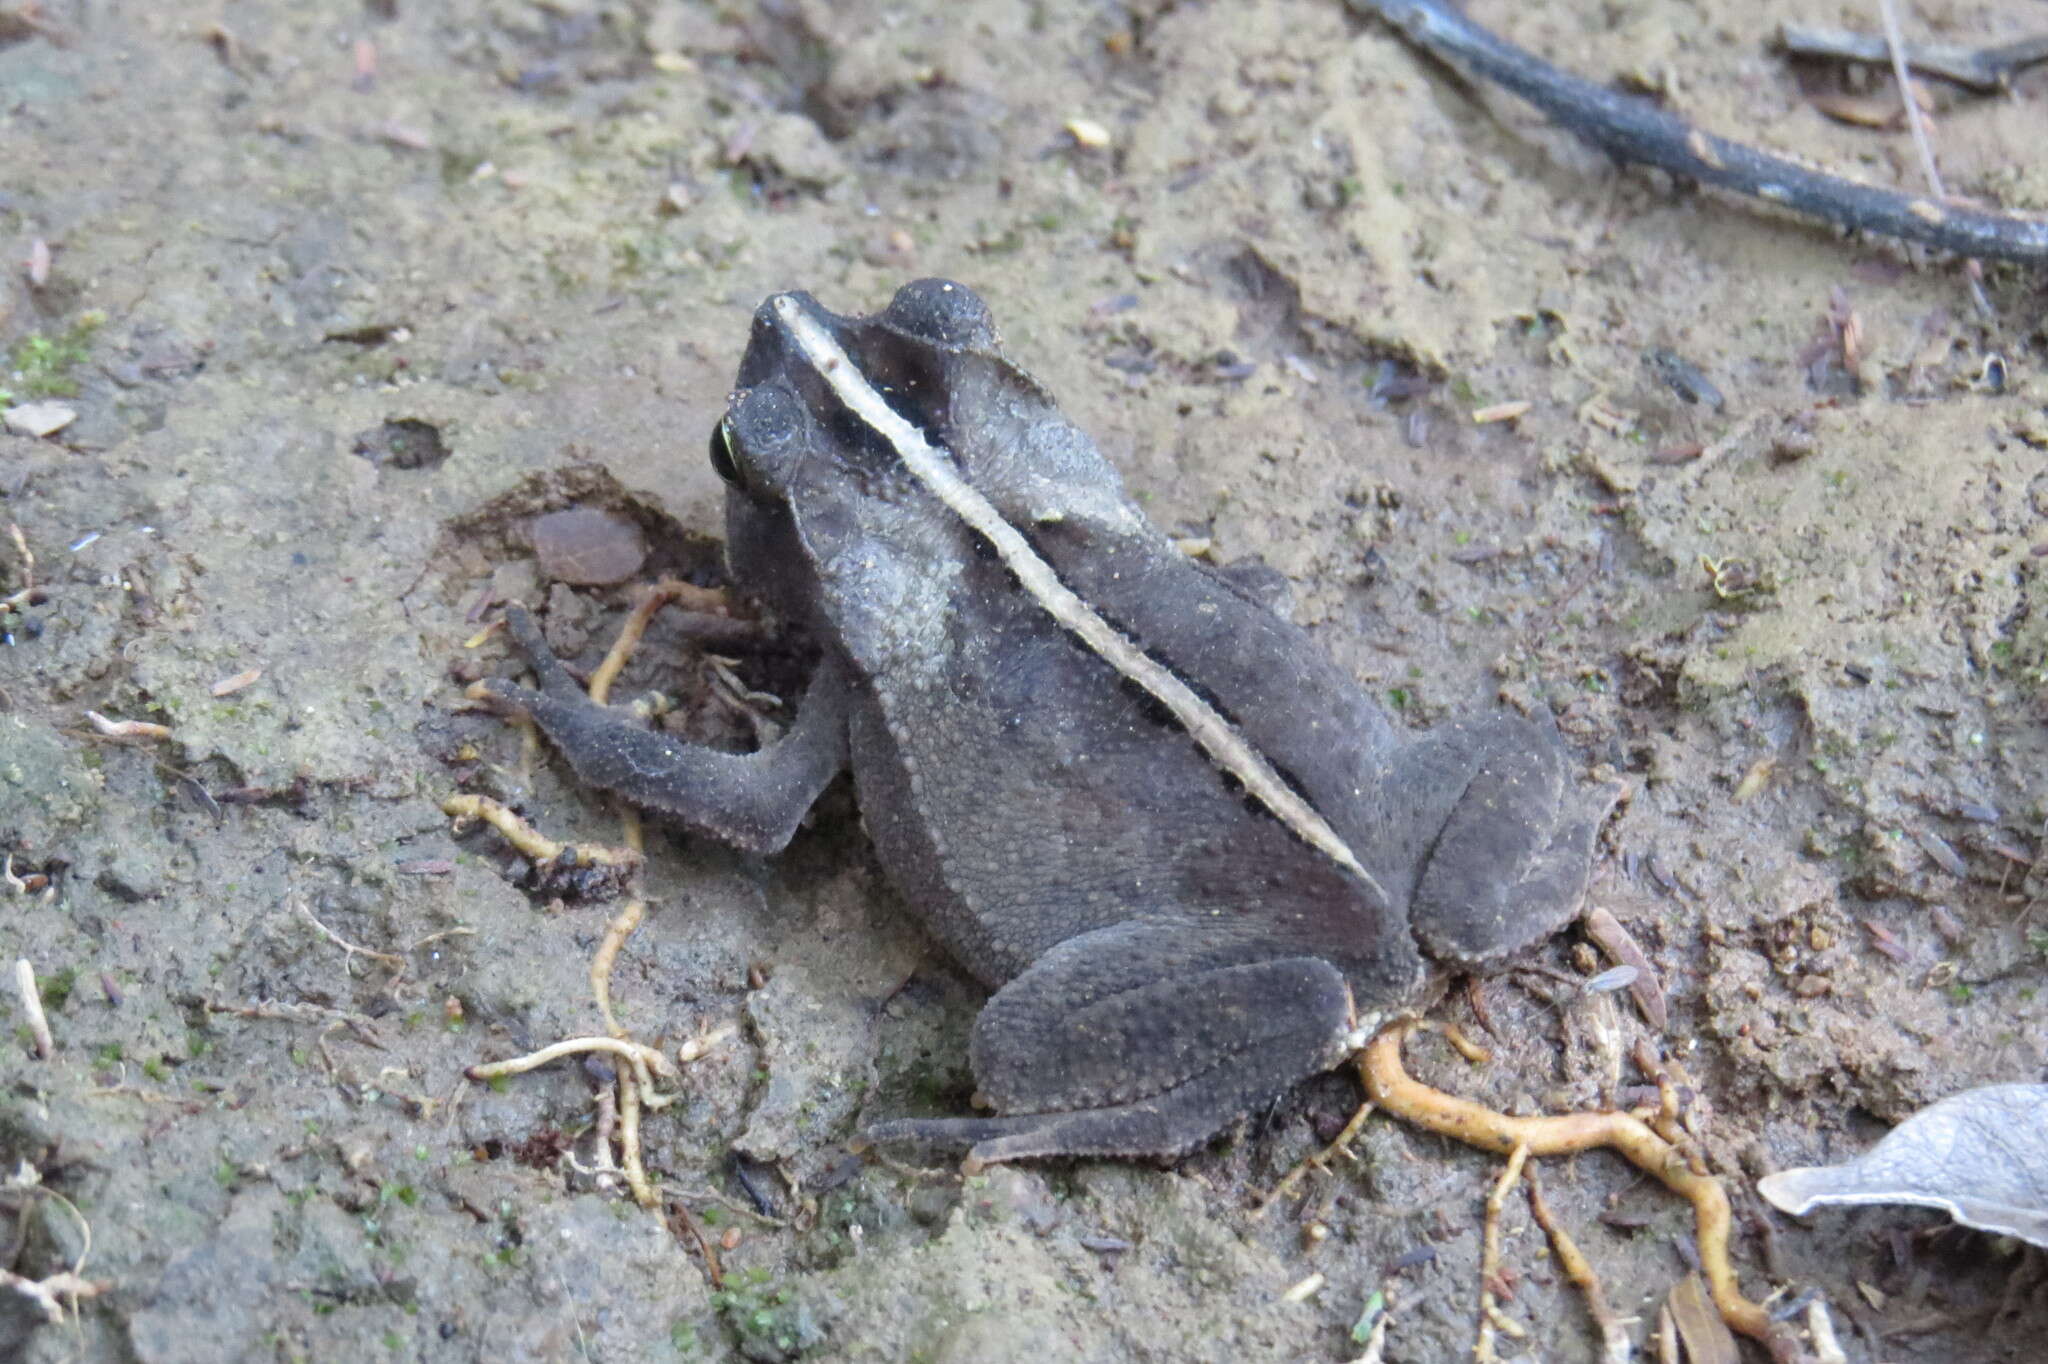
(1216, 735)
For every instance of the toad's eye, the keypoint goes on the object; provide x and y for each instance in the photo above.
(721, 453)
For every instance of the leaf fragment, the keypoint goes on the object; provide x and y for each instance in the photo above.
(1980, 1156)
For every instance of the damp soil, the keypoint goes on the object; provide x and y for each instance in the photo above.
(344, 298)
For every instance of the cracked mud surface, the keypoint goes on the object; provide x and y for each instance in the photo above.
(364, 294)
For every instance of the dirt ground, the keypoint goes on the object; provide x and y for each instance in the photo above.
(342, 296)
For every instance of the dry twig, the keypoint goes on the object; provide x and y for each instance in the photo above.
(127, 729)
(1986, 70)
(1704, 1335)
(1620, 945)
(1636, 130)
(394, 961)
(679, 1215)
(32, 1008)
(1896, 43)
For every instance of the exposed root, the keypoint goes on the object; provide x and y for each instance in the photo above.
(530, 841)
(1491, 1317)
(622, 927)
(635, 1082)
(1389, 1085)
(390, 959)
(121, 731)
(668, 590)
(52, 1291)
(643, 1058)
(629, 1145)
(1339, 1148)
(47, 1293)
(1615, 1346)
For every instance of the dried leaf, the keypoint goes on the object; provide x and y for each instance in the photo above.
(1707, 1337)
(1863, 111)
(1981, 1156)
(228, 686)
(1621, 948)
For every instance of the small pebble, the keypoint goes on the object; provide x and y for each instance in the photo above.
(38, 419)
(588, 547)
(1086, 132)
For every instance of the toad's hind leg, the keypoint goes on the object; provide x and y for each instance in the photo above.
(1509, 837)
(1140, 1039)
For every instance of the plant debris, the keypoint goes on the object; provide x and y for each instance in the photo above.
(1636, 130)
(1981, 1156)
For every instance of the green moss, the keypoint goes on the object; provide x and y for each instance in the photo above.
(57, 987)
(41, 365)
(770, 1324)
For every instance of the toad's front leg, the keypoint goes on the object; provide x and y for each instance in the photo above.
(752, 801)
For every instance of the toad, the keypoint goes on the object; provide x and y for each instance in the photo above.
(1192, 861)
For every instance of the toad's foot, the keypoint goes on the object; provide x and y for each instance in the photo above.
(752, 801)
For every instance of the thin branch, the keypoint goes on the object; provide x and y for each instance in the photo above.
(1895, 40)
(1987, 70)
(351, 949)
(1635, 130)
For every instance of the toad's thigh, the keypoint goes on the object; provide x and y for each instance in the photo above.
(1144, 1008)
